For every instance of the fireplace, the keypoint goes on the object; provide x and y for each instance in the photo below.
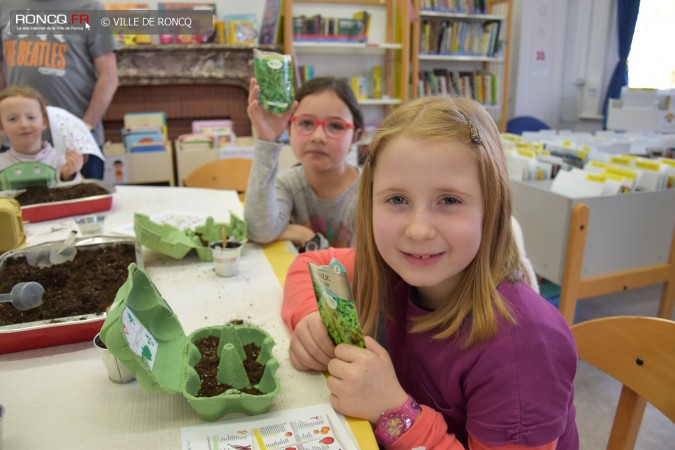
(187, 82)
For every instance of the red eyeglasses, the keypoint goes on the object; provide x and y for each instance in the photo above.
(334, 127)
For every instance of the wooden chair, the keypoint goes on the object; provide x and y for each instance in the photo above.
(227, 173)
(639, 352)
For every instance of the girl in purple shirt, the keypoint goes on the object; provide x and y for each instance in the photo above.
(475, 357)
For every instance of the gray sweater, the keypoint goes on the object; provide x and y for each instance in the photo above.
(273, 202)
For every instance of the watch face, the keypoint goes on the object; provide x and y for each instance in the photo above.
(394, 425)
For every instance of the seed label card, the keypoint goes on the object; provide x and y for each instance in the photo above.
(336, 303)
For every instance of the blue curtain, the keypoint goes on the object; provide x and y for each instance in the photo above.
(626, 19)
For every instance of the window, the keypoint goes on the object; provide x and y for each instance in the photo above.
(651, 63)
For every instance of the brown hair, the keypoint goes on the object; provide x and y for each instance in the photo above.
(20, 90)
(452, 119)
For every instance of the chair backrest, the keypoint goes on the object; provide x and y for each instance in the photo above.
(639, 352)
(525, 123)
(227, 173)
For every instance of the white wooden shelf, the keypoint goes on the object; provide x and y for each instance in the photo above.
(379, 101)
(350, 48)
(468, 58)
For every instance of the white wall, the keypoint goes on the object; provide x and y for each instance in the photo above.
(565, 89)
(539, 35)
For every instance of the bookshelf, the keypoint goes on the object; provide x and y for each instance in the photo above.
(387, 46)
(463, 52)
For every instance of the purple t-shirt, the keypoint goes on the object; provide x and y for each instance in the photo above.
(516, 388)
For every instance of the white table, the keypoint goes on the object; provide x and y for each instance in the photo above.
(61, 398)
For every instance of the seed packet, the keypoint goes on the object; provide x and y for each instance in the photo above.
(274, 74)
(336, 303)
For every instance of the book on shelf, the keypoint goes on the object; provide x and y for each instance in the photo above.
(270, 32)
(454, 6)
(250, 19)
(459, 37)
(242, 32)
(479, 85)
(194, 142)
(331, 29)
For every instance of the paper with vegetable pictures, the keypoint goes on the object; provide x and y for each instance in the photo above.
(336, 303)
(70, 132)
(316, 427)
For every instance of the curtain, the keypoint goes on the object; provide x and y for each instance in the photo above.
(627, 15)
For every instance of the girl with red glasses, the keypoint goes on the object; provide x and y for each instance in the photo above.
(316, 198)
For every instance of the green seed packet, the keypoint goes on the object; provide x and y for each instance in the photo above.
(274, 74)
(336, 303)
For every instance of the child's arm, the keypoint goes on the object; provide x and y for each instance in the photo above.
(297, 234)
(429, 431)
(72, 166)
(269, 201)
(267, 126)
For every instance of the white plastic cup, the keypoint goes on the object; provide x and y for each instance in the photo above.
(117, 373)
(226, 258)
(92, 224)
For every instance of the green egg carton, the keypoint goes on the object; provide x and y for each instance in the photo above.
(26, 174)
(176, 243)
(143, 332)
(163, 238)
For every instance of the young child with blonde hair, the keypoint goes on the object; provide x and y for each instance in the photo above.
(474, 357)
(23, 118)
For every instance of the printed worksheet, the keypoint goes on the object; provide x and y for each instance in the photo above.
(316, 427)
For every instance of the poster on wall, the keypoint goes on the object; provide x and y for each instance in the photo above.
(116, 170)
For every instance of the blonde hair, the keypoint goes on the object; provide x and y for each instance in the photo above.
(20, 90)
(452, 119)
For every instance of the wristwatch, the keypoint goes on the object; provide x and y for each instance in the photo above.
(318, 242)
(393, 423)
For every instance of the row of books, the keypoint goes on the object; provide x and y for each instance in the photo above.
(456, 37)
(332, 29)
(479, 85)
(145, 132)
(208, 135)
(459, 6)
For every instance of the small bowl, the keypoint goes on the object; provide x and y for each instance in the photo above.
(92, 224)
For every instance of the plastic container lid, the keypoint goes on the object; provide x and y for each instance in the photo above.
(11, 226)
(143, 332)
(26, 174)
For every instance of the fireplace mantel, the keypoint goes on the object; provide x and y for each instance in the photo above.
(186, 64)
(187, 82)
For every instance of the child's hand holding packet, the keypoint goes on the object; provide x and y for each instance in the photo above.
(336, 303)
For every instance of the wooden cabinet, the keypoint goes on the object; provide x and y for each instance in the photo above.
(387, 45)
(460, 52)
